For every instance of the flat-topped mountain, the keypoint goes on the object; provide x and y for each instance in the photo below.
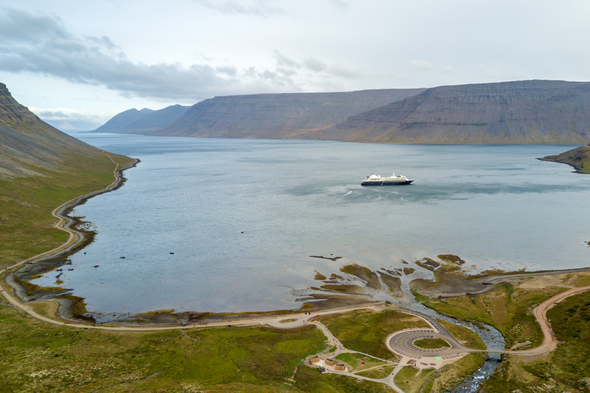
(143, 121)
(273, 115)
(549, 112)
(27, 144)
(510, 112)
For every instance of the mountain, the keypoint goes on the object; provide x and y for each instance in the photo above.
(579, 158)
(552, 112)
(146, 120)
(28, 146)
(41, 168)
(123, 119)
(268, 115)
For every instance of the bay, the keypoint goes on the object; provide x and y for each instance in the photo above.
(243, 217)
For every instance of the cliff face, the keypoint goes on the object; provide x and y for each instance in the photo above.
(277, 115)
(579, 158)
(509, 112)
(28, 144)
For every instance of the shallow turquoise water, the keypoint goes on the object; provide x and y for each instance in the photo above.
(495, 206)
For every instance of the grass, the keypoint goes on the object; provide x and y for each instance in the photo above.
(449, 376)
(26, 205)
(36, 357)
(377, 373)
(356, 360)
(431, 343)
(507, 308)
(312, 381)
(366, 331)
(410, 379)
(566, 369)
(465, 336)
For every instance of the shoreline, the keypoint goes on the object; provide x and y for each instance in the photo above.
(443, 286)
(77, 240)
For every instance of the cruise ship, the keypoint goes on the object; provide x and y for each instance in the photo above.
(376, 180)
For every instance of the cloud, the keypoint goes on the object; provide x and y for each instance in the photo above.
(315, 65)
(41, 44)
(422, 65)
(70, 119)
(425, 65)
(243, 7)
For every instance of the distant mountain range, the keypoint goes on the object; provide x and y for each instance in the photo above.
(546, 112)
(31, 147)
(144, 121)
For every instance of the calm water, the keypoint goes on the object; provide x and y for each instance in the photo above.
(495, 206)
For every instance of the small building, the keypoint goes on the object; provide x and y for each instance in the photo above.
(314, 360)
(340, 367)
(330, 362)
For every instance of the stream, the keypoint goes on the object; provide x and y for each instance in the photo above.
(491, 337)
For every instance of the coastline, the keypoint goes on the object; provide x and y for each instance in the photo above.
(445, 284)
(77, 240)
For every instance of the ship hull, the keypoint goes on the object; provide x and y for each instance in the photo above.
(387, 183)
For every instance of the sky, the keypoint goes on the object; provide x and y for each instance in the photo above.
(77, 64)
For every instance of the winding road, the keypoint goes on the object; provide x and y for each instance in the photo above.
(400, 343)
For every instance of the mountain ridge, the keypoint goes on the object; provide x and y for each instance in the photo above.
(145, 120)
(283, 115)
(28, 145)
(534, 111)
(517, 112)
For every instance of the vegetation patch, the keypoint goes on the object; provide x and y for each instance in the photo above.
(451, 375)
(506, 307)
(38, 357)
(377, 372)
(431, 343)
(288, 320)
(410, 379)
(564, 370)
(364, 273)
(366, 331)
(310, 380)
(465, 336)
(451, 258)
(428, 264)
(349, 289)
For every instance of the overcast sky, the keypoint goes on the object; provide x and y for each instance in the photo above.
(76, 64)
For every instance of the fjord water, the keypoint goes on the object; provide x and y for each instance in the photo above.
(243, 217)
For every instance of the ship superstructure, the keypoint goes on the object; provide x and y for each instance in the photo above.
(394, 180)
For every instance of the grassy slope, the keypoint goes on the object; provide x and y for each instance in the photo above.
(505, 307)
(27, 202)
(567, 369)
(579, 158)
